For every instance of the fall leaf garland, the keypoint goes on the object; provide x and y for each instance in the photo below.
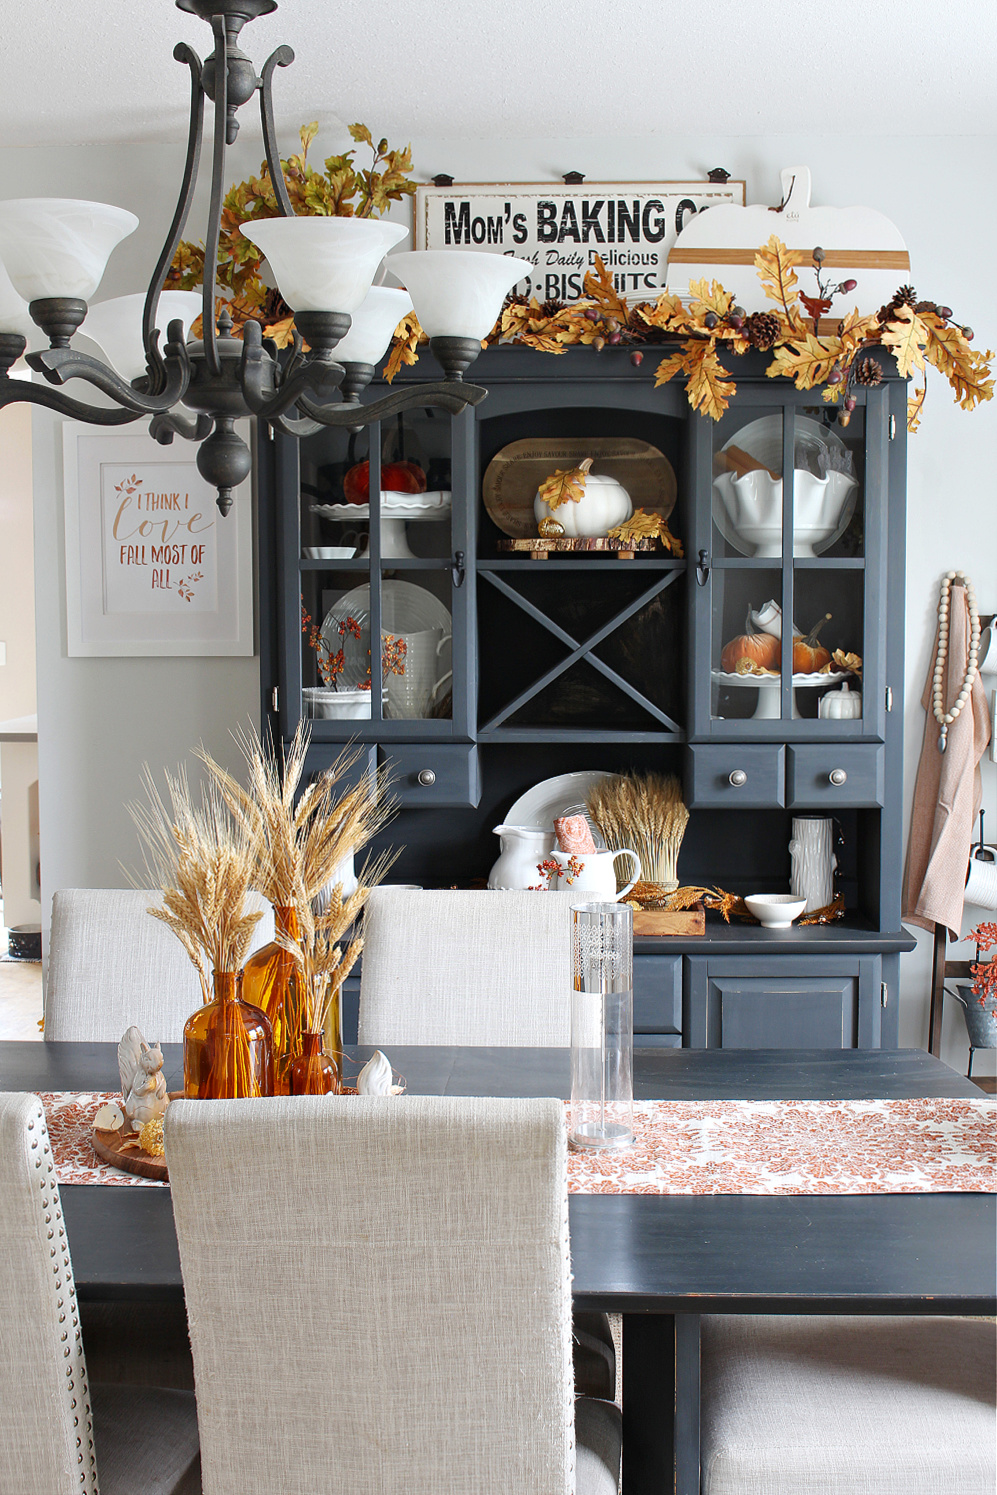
(916, 333)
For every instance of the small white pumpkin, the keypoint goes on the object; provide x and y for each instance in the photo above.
(604, 504)
(841, 705)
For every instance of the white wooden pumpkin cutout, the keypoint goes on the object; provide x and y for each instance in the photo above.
(859, 244)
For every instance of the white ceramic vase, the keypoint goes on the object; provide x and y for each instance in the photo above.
(813, 860)
(604, 504)
(523, 848)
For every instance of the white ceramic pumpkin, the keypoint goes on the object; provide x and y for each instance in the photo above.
(841, 705)
(604, 504)
(859, 244)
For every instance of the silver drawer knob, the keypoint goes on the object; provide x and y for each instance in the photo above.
(426, 777)
(837, 777)
(738, 778)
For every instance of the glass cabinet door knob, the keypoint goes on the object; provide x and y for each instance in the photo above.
(738, 778)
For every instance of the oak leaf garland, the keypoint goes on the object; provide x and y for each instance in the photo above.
(776, 271)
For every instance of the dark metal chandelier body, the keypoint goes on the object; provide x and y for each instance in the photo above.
(199, 389)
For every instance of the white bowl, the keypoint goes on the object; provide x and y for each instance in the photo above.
(775, 910)
(330, 552)
(822, 508)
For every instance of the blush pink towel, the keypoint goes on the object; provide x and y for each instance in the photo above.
(948, 789)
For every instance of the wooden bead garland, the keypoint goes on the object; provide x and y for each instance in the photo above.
(946, 718)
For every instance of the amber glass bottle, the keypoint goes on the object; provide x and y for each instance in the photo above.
(313, 1072)
(227, 1046)
(272, 983)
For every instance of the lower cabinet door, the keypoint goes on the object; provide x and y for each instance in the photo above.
(657, 1001)
(784, 1003)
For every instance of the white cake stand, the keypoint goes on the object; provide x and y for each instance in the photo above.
(768, 686)
(397, 510)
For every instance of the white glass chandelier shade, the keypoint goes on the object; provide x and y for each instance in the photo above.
(13, 308)
(56, 246)
(457, 292)
(324, 264)
(374, 323)
(116, 326)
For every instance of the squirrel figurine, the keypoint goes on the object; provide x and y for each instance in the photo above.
(143, 1088)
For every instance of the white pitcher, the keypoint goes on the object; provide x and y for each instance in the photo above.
(813, 861)
(523, 848)
(596, 875)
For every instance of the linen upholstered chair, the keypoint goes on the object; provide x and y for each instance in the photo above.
(110, 964)
(849, 1405)
(381, 1288)
(477, 968)
(482, 969)
(57, 1435)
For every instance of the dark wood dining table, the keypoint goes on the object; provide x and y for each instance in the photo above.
(660, 1260)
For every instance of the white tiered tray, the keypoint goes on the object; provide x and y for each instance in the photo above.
(397, 510)
(768, 689)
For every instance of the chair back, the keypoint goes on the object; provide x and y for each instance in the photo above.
(475, 968)
(378, 1292)
(110, 964)
(46, 1430)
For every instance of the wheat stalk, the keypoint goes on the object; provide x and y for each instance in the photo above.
(203, 858)
(645, 812)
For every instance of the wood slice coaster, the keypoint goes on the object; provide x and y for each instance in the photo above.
(107, 1146)
(663, 921)
(539, 548)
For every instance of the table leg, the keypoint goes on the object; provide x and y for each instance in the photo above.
(660, 1404)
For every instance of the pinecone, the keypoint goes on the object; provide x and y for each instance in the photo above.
(761, 329)
(274, 308)
(514, 300)
(868, 372)
(551, 307)
(903, 296)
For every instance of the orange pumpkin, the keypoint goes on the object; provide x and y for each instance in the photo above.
(761, 649)
(808, 656)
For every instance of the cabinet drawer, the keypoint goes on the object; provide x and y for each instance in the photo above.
(714, 775)
(433, 776)
(824, 776)
(657, 994)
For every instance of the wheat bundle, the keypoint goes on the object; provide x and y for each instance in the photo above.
(645, 812)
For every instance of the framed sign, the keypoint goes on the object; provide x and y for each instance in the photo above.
(151, 565)
(560, 229)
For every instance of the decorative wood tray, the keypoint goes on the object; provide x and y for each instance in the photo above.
(515, 473)
(664, 921)
(107, 1146)
(539, 547)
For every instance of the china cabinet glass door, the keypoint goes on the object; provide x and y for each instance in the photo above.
(376, 648)
(790, 524)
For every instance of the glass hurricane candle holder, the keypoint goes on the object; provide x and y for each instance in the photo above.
(227, 1046)
(601, 1026)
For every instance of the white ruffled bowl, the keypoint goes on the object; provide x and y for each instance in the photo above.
(822, 507)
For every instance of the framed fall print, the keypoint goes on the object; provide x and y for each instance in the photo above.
(151, 566)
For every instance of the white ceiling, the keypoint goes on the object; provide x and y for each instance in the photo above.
(89, 71)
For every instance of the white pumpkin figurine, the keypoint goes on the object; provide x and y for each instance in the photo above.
(841, 705)
(143, 1089)
(604, 503)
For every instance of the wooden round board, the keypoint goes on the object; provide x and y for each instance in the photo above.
(515, 473)
(107, 1146)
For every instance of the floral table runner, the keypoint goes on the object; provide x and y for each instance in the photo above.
(927, 1146)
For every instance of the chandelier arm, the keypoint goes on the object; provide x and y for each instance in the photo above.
(61, 364)
(209, 333)
(183, 53)
(292, 427)
(323, 379)
(178, 422)
(443, 395)
(283, 57)
(19, 391)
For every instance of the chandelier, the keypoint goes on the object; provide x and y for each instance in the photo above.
(53, 252)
